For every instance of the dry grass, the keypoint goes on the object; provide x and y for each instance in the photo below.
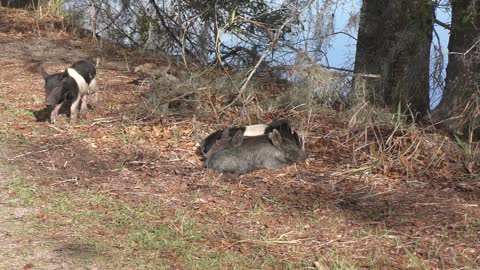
(314, 88)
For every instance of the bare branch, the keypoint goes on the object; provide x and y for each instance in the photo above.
(265, 53)
(442, 24)
(467, 51)
(165, 26)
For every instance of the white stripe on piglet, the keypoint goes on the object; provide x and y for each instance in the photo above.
(93, 86)
(81, 83)
(255, 130)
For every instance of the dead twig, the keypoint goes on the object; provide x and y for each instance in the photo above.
(26, 154)
(467, 51)
(269, 242)
(104, 121)
(75, 180)
(56, 128)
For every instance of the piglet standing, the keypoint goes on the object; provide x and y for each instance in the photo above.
(74, 84)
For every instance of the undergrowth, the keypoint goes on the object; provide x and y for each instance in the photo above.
(380, 141)
(124, 234)
(396, 145)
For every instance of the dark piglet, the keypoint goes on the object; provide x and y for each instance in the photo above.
(210, 140)
(269, 151)
(285, 130)
(226, 140)
(281, 125)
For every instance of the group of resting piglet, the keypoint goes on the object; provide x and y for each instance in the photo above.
(235, 151)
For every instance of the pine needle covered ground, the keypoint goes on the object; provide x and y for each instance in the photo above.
(124, 188)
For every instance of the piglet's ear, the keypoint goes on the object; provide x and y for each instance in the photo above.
(225, 134)
(237, 139)
(275, 137)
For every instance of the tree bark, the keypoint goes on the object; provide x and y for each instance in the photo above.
(462, 82)
(394, 40)
(24, 4)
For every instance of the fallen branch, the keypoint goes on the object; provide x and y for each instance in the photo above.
(104, 121)
(74, 180)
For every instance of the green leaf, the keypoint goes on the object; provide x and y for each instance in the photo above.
(233, 16)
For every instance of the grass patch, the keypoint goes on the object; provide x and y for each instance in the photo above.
(152, 234)
(9, 116)
(9, 135)
(17, 192)
(20, 195)
(415, 262)
(334, 261)
(19, 112)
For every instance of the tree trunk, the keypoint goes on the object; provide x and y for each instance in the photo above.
(462, 84)
(394, 40)
(24, 4)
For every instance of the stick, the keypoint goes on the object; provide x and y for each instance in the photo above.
(26, 154)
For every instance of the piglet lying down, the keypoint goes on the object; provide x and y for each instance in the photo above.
(281, 125)
(238, 155)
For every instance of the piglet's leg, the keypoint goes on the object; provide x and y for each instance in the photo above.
(92, 93)
(54, 114)
(84, 106)
(74, 109)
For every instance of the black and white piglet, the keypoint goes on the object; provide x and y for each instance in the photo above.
(73, 85)
(268, 151)
(281, 125)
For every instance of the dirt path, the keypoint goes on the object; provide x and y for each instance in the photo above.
(21, 92)
(20, 246)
